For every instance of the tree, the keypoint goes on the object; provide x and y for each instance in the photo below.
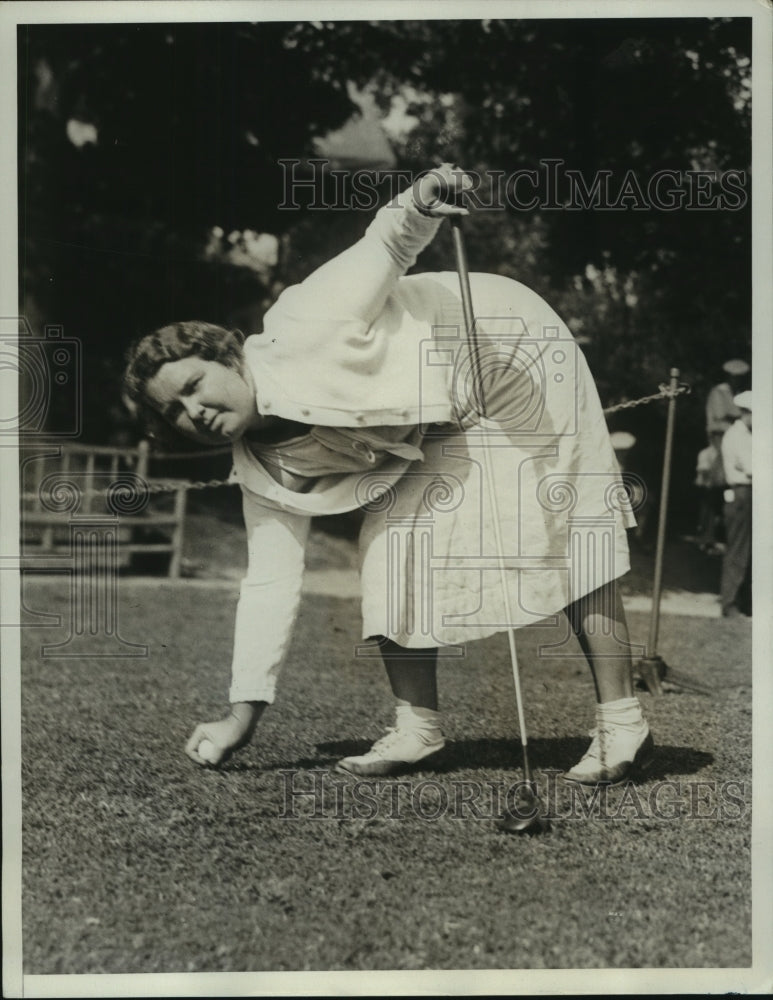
(188, 122)
(191, 121)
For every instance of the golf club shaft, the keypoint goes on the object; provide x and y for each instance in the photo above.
(472, 334)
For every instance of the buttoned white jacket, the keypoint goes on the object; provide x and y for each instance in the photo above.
(341, 349)
(354, 345)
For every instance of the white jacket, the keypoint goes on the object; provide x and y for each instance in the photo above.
(337, 350)
(344, 348)
(356, 345)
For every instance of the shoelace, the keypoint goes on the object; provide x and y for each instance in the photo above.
(600, 738)
(391, 737)
(386, 741)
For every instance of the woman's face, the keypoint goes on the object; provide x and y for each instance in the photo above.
(204, 400)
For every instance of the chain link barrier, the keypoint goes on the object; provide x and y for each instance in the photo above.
(162, 486)
(169, 456)
(665, 392)
(147, 487)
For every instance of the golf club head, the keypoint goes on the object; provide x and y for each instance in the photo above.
(524, 815)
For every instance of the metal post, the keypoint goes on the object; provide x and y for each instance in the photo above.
(652, 643)
(651, 667)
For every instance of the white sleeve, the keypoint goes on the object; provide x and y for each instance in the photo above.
(269, 598)
(401, 230)
(354, 285)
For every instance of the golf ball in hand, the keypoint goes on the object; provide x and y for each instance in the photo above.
(207, 751)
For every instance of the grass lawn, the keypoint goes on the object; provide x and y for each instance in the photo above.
(137, 861)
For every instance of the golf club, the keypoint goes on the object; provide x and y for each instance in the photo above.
(525, 816)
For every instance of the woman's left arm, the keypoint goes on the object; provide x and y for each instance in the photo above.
(356, 283)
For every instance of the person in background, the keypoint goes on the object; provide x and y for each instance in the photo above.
(721, 410)
(735, 585)
(710, 482)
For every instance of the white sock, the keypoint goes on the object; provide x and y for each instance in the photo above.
(415, 717)
(623, 712)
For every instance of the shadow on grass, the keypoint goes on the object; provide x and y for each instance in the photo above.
(498, 754)
(483, 754)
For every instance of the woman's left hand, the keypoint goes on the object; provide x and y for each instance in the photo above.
(440, 192)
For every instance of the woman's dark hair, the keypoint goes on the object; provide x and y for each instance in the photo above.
(172, 343)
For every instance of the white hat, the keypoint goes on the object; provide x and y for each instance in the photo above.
(736, 367)
(622, 440)
(743, 400)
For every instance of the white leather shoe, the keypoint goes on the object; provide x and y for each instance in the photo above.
(616, 754)
(397, 751)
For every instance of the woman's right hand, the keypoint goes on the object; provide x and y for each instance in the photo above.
(440, 192)
(226, 735)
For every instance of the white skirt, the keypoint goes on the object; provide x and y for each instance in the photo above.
(433, 570)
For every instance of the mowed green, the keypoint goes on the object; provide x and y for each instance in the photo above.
(137, 861)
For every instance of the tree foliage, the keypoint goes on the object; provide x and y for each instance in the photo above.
(191, 121)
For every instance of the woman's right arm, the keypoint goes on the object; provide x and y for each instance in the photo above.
(265, 615)
(355, 284)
